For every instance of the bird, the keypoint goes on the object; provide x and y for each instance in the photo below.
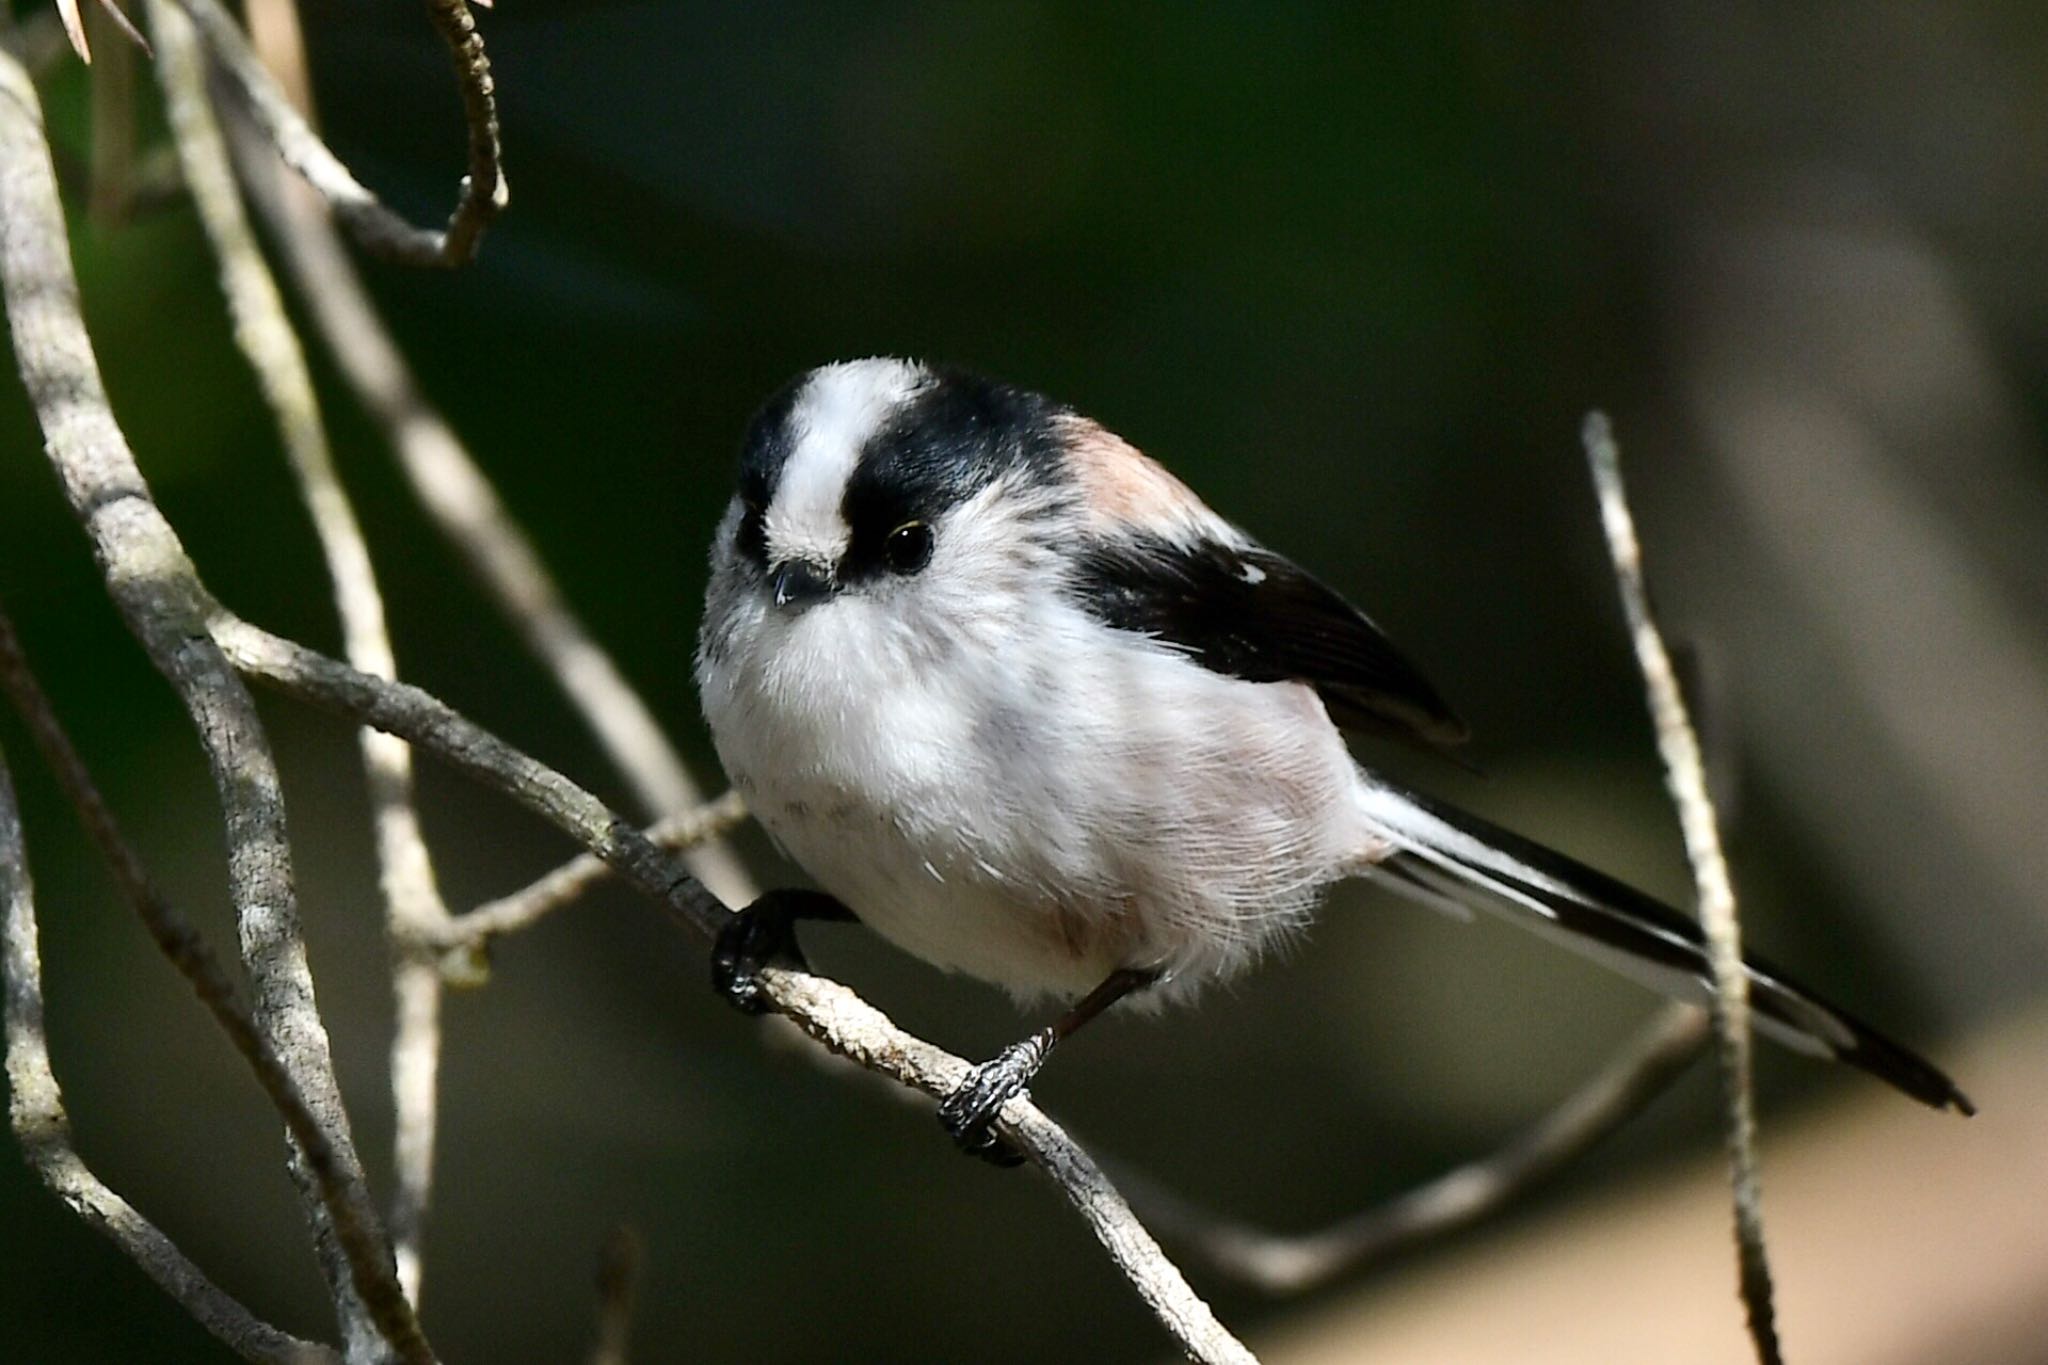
(1018, 701)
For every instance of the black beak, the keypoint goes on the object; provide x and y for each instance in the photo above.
(799, 583)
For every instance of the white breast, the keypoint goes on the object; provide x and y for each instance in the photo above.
(1034, 800)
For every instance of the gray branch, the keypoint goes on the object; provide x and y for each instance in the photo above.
(551, 891)
(160, 597)
(379, 230)
(1281, 1263)
(1685, 776)
(461, 501)
(36, 1108)
(827, 1011)
(413, 906)
(618, 1288)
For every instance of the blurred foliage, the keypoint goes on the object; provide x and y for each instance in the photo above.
(1354, 271)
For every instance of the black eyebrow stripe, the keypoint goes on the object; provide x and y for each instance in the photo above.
(956, 436)
(768, 443)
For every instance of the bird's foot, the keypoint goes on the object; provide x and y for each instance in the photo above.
(763, 933)
(968, 1114)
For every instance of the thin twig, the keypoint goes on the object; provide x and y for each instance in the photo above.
(618, 1288)
(164, 605)
(36, 1109)
(1286, 1264)
(1685, 775)
(462, 502)
(827, 1011)
(415, 1096)
(484, 193)
(551, 891)
(433, 726)
(379, 231)
(75, 26)
(413, 906)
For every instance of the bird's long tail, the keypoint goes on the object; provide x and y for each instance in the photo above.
(1454, 860)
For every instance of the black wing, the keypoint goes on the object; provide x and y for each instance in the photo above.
(1252, 614)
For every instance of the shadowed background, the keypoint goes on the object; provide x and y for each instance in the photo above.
(1356, 278)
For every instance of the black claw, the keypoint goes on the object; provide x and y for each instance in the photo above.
(762, 933)
(968, 1114)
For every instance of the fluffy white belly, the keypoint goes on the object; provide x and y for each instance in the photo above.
(1042, 828)
(933, 897)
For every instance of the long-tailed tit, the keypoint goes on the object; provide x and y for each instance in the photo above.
(1023, 705)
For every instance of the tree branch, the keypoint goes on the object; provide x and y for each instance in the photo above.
(163, 603)
(827, 1011)
(376, 228)
(346, 1205)
(551, 891)
(461, 501)
(413, 906)
(484, 192)
(1685, 776)
(1287, 1264)
(43, 1128)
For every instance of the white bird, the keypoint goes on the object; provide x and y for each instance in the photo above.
(1017, 700)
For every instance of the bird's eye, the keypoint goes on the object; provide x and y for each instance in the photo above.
(909, 547)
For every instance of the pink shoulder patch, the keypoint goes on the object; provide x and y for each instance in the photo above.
(1124, 484)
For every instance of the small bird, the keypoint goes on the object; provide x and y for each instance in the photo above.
(1019, 702)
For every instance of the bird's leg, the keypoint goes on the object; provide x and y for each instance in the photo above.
(968, 1114)
(758, 935)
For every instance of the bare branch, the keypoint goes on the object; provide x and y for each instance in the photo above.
(44, 1131)
(833, 1015)
(415, 1097)
(75, 25)
(413, 904)
(618, 1286)
(827, 1011)
(74, 29)
(455, 493)
(347, 1206)
(1285, 1264)
(484, 193)
(432, 725)
(676, 833)
(378, 230)
(1685, 775)
(160, 597)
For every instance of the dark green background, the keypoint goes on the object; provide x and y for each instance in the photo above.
(1356, 273)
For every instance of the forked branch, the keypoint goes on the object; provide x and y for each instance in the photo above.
(1282, 1263)
(827, 1011)
(41, 1125)
(413, 907)
(164, 605)
(376, 228)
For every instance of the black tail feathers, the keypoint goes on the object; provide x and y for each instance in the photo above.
(1447, 855)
